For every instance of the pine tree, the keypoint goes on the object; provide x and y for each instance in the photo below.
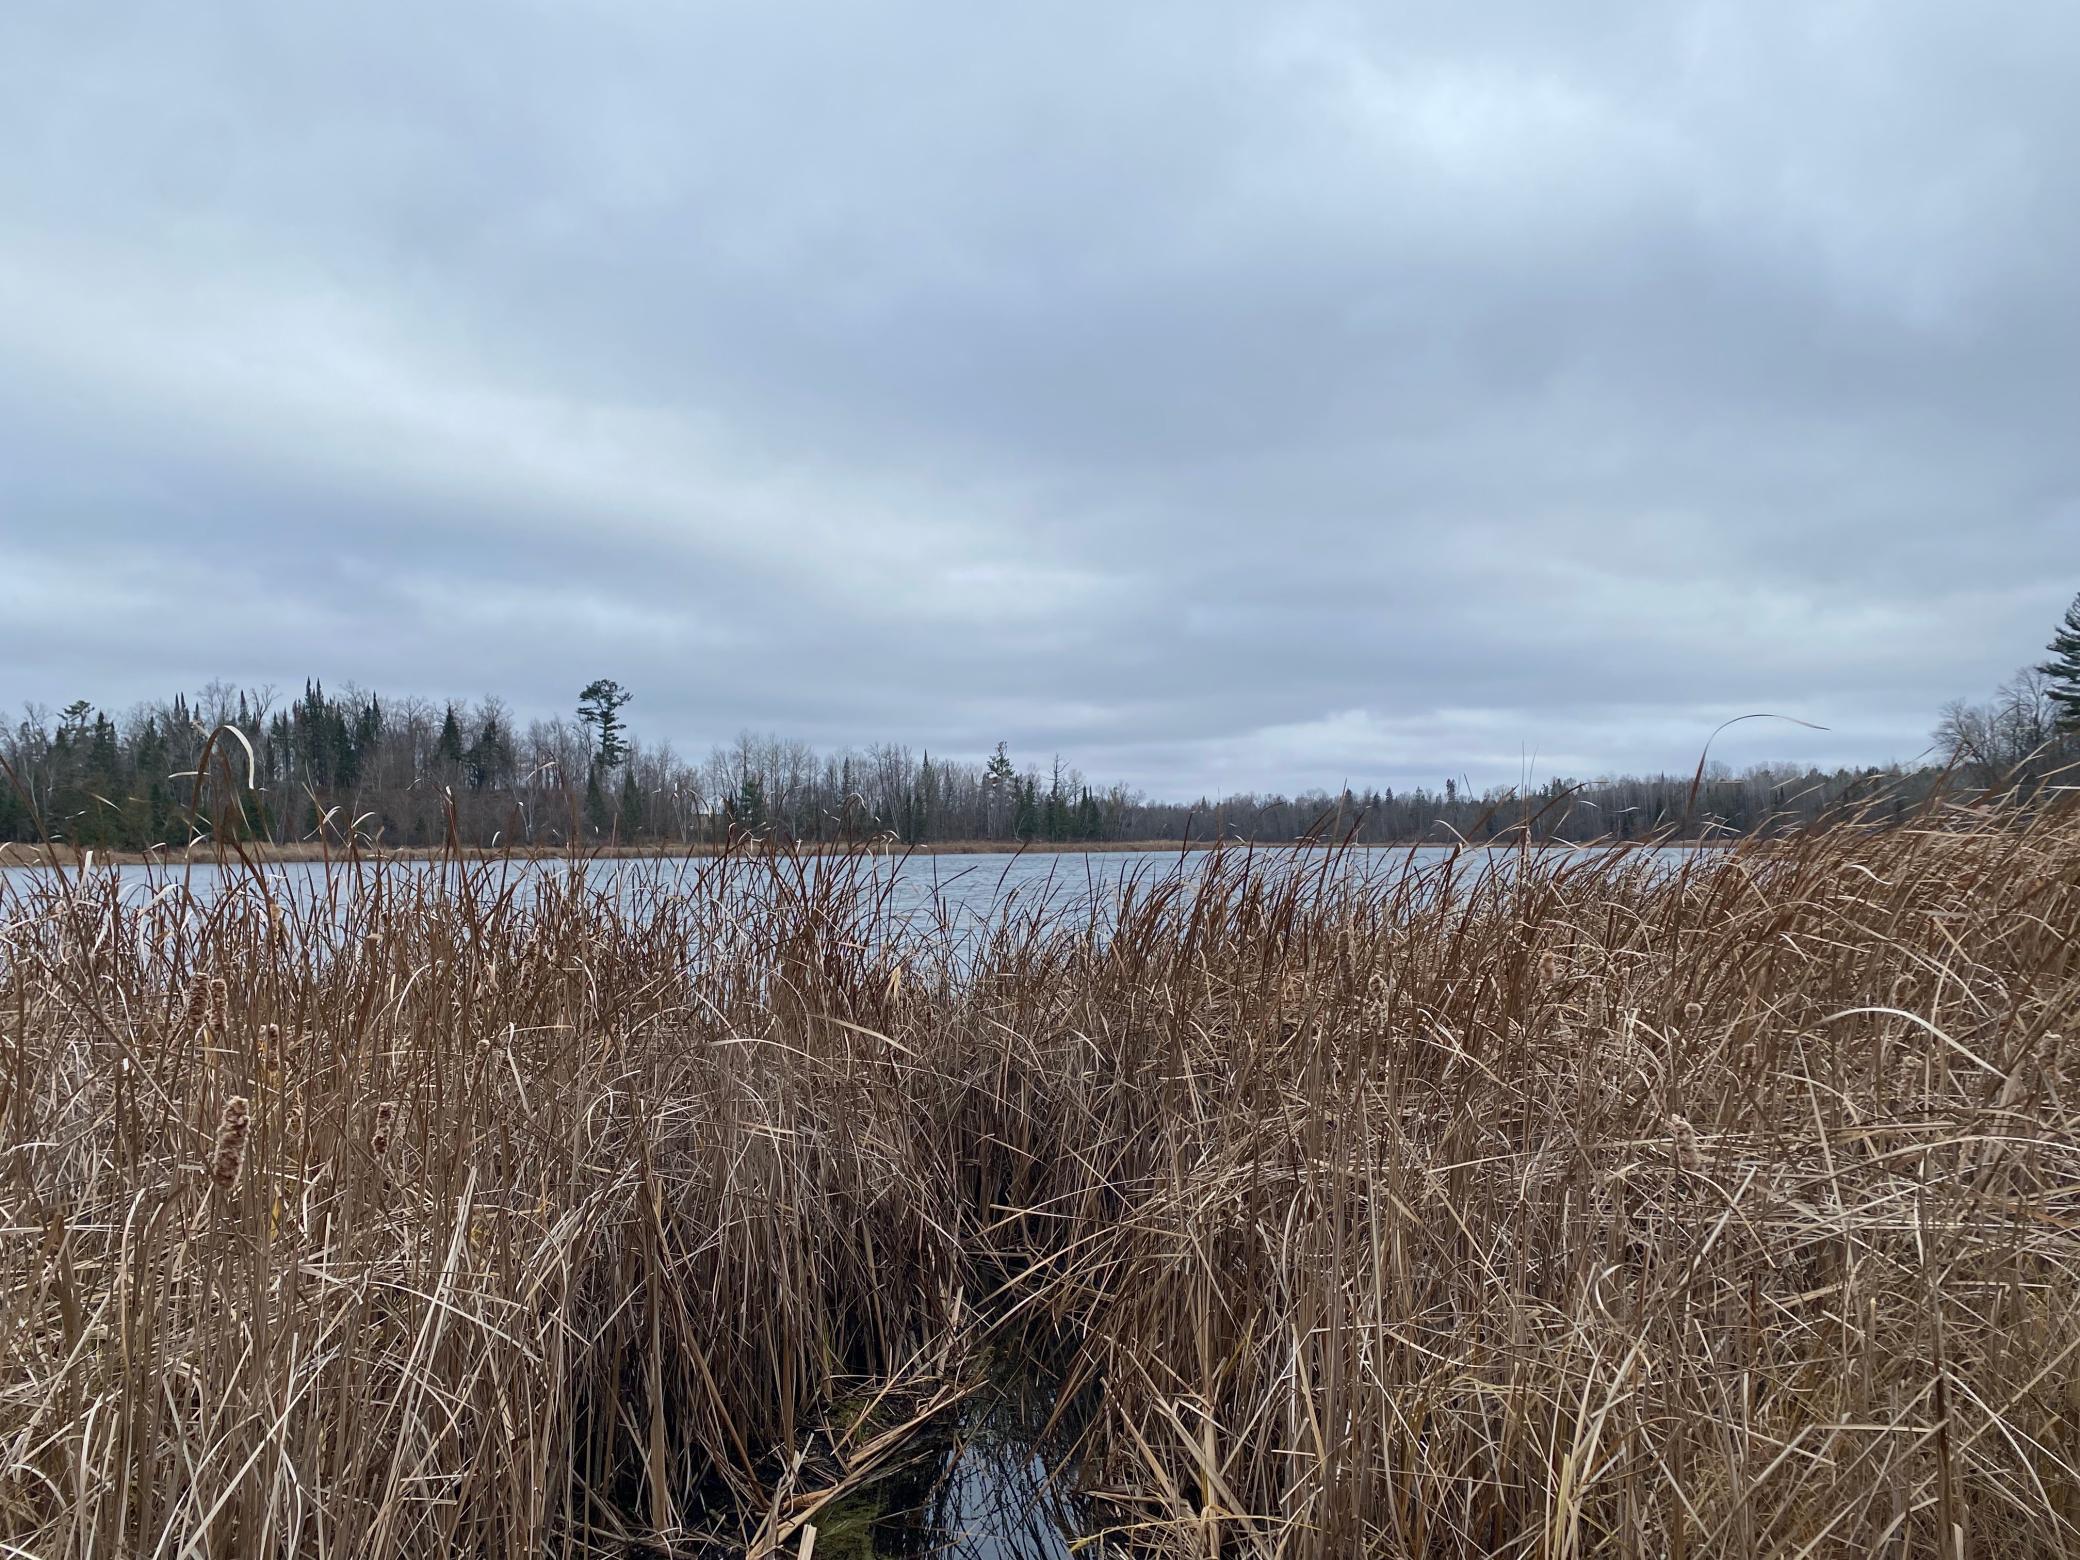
(2064, 669)
(599, 706)
(597, 818)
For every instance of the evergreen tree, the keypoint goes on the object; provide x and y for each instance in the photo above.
(490, 758)
(1002, 781)
(341, 746)
(1055, 821)
(72, 722)
(159, 813)
(920, 821)
(597, 818)
(750, 805)
(278, 749)
(599, 706)
(101, 752)
(2064, 669)
(629, 824)
(449, 748)
(15, 823)
(366, 742)
(1025, 822)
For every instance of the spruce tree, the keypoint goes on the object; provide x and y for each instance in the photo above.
(597, 818)
(2064, 669)
(1026, 822)
(449, 748)
(921, 811)
(751, 804)
(629, 824)
(490, 759)
(366, 742)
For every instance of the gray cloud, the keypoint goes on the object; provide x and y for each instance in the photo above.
(1223, 396)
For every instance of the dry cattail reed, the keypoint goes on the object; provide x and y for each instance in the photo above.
(1281, 1147)
(379, 1136)
(229, 1154)
(1683, 1142)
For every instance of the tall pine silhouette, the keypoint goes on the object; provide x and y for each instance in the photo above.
(2064, 669)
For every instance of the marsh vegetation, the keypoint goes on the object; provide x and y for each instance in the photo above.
(1601, 1205)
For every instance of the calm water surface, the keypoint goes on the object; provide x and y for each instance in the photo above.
(963, 887)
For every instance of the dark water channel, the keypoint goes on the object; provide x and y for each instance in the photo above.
(994, 1480)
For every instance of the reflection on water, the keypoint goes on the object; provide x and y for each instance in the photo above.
(997, 1482)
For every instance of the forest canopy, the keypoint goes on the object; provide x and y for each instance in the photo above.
(407, 772)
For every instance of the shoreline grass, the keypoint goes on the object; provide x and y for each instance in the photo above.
(1593, 1207)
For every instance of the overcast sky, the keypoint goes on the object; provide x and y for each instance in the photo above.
(1221, 395)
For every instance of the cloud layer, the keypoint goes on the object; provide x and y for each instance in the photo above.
(1222, 395)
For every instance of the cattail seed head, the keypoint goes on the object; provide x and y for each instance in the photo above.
(219, 1002)
(1683, 1140)
(379, 1139)
(230, 1153)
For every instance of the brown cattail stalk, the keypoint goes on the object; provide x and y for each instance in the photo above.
(230, 1154)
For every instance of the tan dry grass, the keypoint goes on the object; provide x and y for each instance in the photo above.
(1588, 1207)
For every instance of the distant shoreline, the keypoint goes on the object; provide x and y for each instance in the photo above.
(204, 853)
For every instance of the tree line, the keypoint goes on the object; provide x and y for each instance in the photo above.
(355, 766)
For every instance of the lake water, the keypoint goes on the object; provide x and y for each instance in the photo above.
(942, 906)
(964, 885)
